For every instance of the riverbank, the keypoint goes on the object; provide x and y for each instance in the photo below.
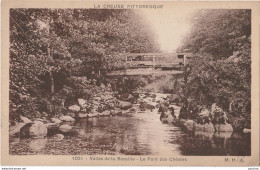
(134, 132)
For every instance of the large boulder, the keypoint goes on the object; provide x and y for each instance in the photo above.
(34, 129)
(74, 108)
(15, 130)
(124, 105)
(67, 118)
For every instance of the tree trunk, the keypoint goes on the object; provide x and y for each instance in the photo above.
(52, 82)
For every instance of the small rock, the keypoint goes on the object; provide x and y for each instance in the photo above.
(96, 114)
(48, 125)
(153, 96)
(246, 130)
(41, 120)
(204, 113)
(97, 98)
(71, 114)
(45, 114)
(67, 118)
(124, 105)
(127, 97)
(25, 119)
(65, 128)
(102, 86)
(82, 103)
(56, 120)
(74, 108)
(58, 137)
(144, 106)
(182, 121)
(95, 102)
(112, 112)
(83, 115)
(106, 113)
(173, 98)
(189, 124)
(118, 111)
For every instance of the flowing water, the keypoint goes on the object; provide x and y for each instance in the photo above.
(134, 133)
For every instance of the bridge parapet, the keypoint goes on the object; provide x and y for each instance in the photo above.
(157, 60)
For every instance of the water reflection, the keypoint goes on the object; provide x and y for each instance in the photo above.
(139, 133)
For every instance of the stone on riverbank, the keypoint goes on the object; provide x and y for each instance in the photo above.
(145, 106)
(67, 118)
(168, 119)
(173, 98)
(246, 130)
(58, 137)
(34, 129)
(70, 114)
(182, 121)
(74, 108)
(82, 103)
(65, 128)
(56, 120)
(127, 97)
(82, 115)
(25, 119)
(189, 124)
(105, 113)
(124, 105)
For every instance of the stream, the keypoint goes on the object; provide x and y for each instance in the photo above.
(134, 133)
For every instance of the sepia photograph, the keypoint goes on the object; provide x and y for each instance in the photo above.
(130, 80)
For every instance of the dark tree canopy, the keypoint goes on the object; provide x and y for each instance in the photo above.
(48, 47)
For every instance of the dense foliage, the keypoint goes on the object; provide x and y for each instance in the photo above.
(221, 69)
(50, 49)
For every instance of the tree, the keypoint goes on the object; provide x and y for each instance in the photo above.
(221, 68)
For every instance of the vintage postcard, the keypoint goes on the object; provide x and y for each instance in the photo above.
(130, 83)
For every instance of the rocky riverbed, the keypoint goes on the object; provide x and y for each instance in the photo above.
(126, 124)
